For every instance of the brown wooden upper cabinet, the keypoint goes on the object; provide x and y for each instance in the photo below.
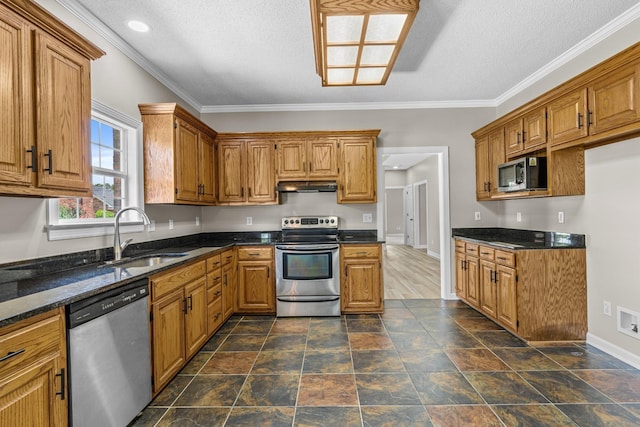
(490, 153)
(179, 156)
(45, 86)
(246, 171)
(310, 159)
(357, 170)
(526, 133)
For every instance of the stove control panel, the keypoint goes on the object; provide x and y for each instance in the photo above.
(290, 222)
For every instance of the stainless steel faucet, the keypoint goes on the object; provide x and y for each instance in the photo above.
(118, 247)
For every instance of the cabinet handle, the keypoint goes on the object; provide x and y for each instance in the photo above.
(11, 354)
(495, 277)
(523, 133)
(216, 293)
(254, 254)
(304, 167)
(310, 167)
(362, 253)
(580, 121)
(518, 138)
(215, 279)
(249, 191)
(190, 298)
(62, 384)
(589, 114)
(501, 258)
(268, 272)
(241, 191)
(216, 316)
(225, 279)
(49, 154)
(229, 257)
(346, 272)
(184, 305)
(491, 275)
(34, 159)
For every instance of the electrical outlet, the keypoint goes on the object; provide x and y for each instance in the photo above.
(197, 220)
(477, 216)
(152, 225)
(560, 217)
(249, 220)
(607, 308)
(367, 217)
(170, 224)
(519, 216)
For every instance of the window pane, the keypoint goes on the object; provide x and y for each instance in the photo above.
(68, 208)
(106, 145)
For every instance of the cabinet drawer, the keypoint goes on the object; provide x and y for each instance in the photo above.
(251, 253)
(472, 249)
(214, 262)
(487, 253)
(460, 246)
(214, 316)
(356, 251)
(166, 282)
(227, 257)
(505, 258)
(214, 292)
(27, 341)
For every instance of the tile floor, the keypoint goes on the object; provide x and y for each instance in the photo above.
(421, 363)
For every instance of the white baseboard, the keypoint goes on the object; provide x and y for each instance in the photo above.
(433, 254)
(612, 349)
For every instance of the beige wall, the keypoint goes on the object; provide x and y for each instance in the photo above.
(427, 170)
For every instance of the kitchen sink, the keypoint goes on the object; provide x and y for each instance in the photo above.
(149, 260)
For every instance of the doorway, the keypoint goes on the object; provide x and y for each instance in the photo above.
(408, 210)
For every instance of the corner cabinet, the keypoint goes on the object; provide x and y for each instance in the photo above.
(33, 389)
(256, 280)
(361, 279)
(46, 104)
(179, 156)
(357, 170)
(519, 289)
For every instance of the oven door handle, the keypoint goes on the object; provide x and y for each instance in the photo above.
(309, 298)
(307, 248)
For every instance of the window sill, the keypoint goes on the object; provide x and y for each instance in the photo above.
(79, 231)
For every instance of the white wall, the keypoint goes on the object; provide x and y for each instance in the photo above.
(428, 170)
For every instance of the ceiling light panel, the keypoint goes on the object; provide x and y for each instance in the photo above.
(385, 28)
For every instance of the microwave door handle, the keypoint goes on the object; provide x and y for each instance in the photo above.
(519, 173)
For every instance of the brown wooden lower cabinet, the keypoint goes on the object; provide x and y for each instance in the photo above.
(540, 295)
(361, 278)
(33, 371)
(256, 280)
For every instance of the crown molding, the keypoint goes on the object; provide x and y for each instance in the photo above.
(110, 36)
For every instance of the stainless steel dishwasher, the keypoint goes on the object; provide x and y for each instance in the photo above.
(109, 357)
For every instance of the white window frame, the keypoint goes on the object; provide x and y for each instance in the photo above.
(132, 149)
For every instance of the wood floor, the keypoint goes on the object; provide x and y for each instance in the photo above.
(409, 273)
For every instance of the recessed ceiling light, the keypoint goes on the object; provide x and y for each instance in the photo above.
(396, 167)
(138, 26)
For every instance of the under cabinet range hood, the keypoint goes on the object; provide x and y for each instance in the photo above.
(307, 186)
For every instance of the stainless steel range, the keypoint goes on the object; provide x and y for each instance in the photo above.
(308, 267)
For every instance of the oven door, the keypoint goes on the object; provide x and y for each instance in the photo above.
(308, 270)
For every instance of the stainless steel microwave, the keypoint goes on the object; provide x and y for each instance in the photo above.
(526, 173)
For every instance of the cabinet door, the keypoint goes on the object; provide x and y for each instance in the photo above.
(323, 158)
(16, 99)
(614, 100)
(261, 172)
(228, 290)
(513, 137)
(507, 302)
(473, 281)
(63, 113)
(357, 171)
(496, 156)
(255, 287)
(487, 288)
(292, 160)
(196, 316)
(231, 172)
(482, 168)
(186, 170)
(168, 337)
(361, 285)
(534, 129)
(29, 398)
(461, 276)
(567, 117)
(207, 168)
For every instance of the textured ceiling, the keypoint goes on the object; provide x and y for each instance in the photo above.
(223, 53)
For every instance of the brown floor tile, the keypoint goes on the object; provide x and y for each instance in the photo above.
(365, 325)
(476, 359)
(403, 325)
(526, 359)
(431, 360)
(262, 416)
(211, 417)
(413, 341)
(397, 313)
(477, 324)
(455, 339)
(285, 343)
(196, 363)
(428, 313)
(440, 324)
(395, 416)
(503, 387)
(214, 342)
(532, 416)
(419, 302)
(327, 325)
(278, 362)
(269, 390)
(243, 343)
(634, 408)
(460, 415)
(171, 392)
(335, 342)
(370, 341)
(291, 325)
(327, 416)
(370, 361)
(462, 312)
(394, 303)
(149, 417)
(386, 389)
(563, 387)
(327, 390)
(444, 388)
(498, 339)
(230, 362)
(600, 415)
(327, 362)
(574, 357)
(211, 390)
(260, 327)
(619, 385)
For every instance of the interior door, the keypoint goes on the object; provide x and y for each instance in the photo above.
(408, 216)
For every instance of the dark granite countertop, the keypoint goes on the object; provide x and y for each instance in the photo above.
(511, 238)
(34, 286)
